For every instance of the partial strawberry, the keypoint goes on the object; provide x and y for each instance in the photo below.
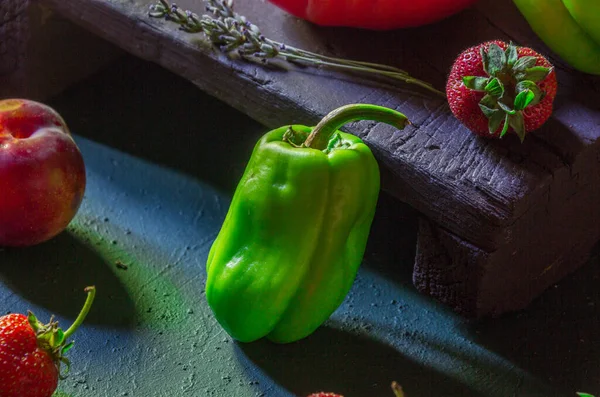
(495, 88)
(396, 388)
(323, 394)
(31, 353)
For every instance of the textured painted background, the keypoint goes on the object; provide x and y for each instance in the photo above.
(162, 161)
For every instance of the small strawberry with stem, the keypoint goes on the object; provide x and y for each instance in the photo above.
(396, 388)
(495, 88)
(31, 353)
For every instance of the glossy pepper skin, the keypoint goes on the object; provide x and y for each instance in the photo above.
(296, 230)
(568, 27)
(374, 15)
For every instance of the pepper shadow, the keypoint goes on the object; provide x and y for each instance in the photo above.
(53, 275)
(391, 247)
(557, 338)
(349, 364)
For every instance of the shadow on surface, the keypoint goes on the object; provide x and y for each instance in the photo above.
(393, 240)
(144, 110)
(557, 338)
(54, 274)
(352, 365)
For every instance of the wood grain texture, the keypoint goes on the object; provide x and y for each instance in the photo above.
(13, 39)
(42, 53)
(496, 196)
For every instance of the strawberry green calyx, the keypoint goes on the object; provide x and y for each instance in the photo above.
(52, 339)
(510, 86)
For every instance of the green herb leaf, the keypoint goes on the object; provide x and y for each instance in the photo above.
(67, 363)
(33, 321)
(485, 59)
(523, 99)
(511, 54)
(495, 121)
(489, 101)
(584, 395)
(495, 88)
(496, 60)
(517, 122)
(488, 112)
(524, 63)
(536, 73)
(59, 337)
(506, 108)
(528, 85)
(66, 348)
(525, 85)
(475, 82)
(505, 127)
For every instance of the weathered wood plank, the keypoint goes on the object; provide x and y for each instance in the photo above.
(42, 53)
(13, 39)
(493, 196)
(545, 244)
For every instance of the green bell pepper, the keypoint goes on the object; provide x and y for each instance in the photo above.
(296, 230)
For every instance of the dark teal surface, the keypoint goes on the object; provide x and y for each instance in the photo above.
(162, 161)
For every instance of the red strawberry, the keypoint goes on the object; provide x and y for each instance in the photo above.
(396, 388)
(497, 87)
(323, 394)
(31, 353)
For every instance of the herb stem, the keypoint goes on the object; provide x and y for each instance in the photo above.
(230, 32)
(341, 60)
(393, 75)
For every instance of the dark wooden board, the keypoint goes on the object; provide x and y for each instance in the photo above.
(500, 218)
(42, 53)
(13, 28)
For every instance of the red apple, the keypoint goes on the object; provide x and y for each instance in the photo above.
(42, 174)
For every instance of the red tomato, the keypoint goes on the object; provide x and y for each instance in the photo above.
(373, 14)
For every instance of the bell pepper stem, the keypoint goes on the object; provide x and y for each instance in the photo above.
(322, 133)
(91, 291)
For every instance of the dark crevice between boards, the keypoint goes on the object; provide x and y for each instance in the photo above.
(151, 113)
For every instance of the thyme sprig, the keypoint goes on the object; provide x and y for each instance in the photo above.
(232, 32)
